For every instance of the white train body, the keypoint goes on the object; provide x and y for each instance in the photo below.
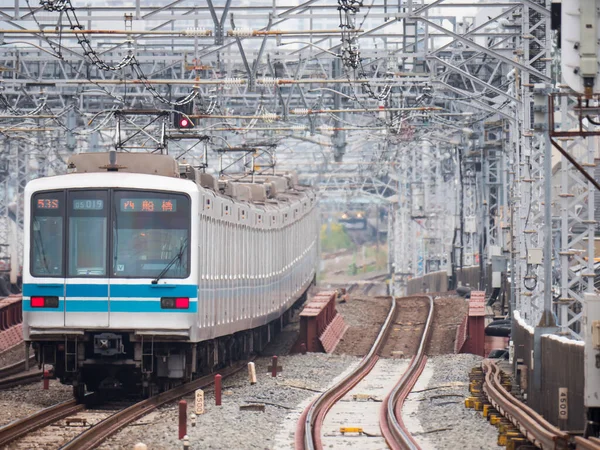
(156, 273)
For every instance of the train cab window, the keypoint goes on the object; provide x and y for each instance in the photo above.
(87, 231)
(47, 225)
(151, 233)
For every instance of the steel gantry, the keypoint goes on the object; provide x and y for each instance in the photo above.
(427, 106)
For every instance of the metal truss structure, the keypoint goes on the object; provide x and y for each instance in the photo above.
(426, 106)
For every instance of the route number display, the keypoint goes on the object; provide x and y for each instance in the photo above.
(88, 205)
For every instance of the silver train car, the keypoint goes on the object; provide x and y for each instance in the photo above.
(145, 273)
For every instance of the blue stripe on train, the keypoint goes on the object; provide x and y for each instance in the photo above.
(116, 306)
(54, 289)
(137, 292)
(116, 290)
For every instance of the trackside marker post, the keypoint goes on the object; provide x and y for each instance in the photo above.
(46, 382)
(274, 368)
(199, 406)
(218, 389)
(182, 418)
(251, 373)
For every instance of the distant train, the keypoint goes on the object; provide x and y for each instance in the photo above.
(141, 273)
(353, 220)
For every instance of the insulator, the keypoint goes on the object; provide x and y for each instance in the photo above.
(301, 111)
(267, 81)
(326, 129)
(241, 32)
(269, 117)
(298, 128)
(197, 32)
(232, 81)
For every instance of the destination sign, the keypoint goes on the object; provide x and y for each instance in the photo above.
(148, 205)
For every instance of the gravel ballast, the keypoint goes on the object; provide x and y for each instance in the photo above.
(227, 426)
(22, 401)
(437, 414)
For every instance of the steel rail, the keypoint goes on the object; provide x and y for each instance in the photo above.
(21, 379)
(308, 431)
(591, 443)
(21, 427)
(14, 368)
(392, 426)
(95, 435)
(533, 426)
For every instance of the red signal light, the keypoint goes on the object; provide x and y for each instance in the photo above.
(184, 123)
(182, 303)
(37, 302)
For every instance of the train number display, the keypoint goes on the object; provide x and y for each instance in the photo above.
(48, 203)
(88, 205)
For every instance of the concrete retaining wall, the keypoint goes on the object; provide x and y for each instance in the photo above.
(438, 281)
(432, 282)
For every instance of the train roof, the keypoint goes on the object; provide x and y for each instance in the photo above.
(163, 172)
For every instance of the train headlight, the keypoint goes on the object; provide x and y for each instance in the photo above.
(175, 303)
(44, 302)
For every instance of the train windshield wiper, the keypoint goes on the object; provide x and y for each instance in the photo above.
(177, 257)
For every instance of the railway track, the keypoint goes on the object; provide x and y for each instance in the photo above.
(390, 419)
(12, 375)
(104, 427)
(45, 417)
(530, 424)
(20, 379)
(308, 431)
(15, 368)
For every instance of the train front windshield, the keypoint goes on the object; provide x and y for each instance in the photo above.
(150, 234)
(100, 233)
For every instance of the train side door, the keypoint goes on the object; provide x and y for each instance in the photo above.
(87, 282)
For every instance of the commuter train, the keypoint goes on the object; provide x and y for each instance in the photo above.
(144, 273)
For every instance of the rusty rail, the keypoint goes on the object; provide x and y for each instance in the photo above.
(392, 426)
(308, 430)
(17, 367)
(587, 444)
(95, 435)
(20, 379)
(534, 427)
(21, 427)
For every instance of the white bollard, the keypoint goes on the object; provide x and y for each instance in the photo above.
(140, 446)
(186, 442)
(193, 419)
(252, 373)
